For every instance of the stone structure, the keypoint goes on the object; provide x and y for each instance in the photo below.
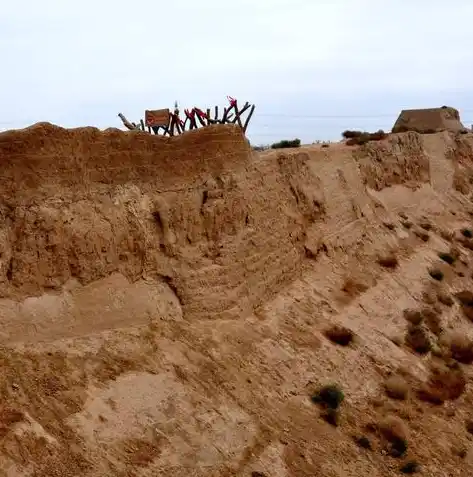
(429, 120)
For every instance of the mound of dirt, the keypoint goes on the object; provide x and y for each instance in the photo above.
(164, 305)
(429, 120)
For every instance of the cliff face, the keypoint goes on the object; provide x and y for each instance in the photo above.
(157, 294)
(197, 212)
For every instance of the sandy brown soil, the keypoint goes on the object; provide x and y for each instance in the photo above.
(170, 306)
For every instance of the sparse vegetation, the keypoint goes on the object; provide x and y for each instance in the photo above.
(331, 396)
(396, 387)
(363, 442)
(358, 138)
(444, 298)
(414, 317)
(447, 257)
(426, 225)
(465, 298)
(388, 261)
(461, 348)
(447, 382)
(469, 426)
(395, 431)
(339, 335)
(407, 224)
(467, 233)
(433, 319)
(411, 467)
(436, 274)
(285, 143)
(331, 416)
(353, 287)
(418, 339)
(422, 234)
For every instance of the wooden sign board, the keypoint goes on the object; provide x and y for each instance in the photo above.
(157, 117)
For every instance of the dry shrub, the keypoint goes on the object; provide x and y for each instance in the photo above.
(433, 319)
(358, 138)
(418, 339)
(447, 382)
(422, 234)
(447, 235)
(349, 134)
(395, 431)
(331, 416)
(407, 224)
(363, 442)
(411, 467)
(140, 452)
(461, 348)
(445, 298)
(436, 274)
(353, 287)
(396, 387)
(467, 233)
(469, 426)
(414, 317)
(429, 297)
(425, 224)
(388, 261)
(330, 396)
(467, 243)
(339, 335)
(393, 427)
(465, 298)
(447, 257)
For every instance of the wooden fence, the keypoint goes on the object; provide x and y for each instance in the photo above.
(170, 123)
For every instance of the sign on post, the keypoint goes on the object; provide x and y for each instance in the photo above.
(157, 117)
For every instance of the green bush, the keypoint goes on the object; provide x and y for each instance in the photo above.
(348, 134)
(286, 143)
(330, 396)
(357, 138)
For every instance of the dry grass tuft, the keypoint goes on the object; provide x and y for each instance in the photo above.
(418, 339)
(396, 387)
(445, 298)
(414, 317)
(339, 335)
(388, 261)
(447, 382)
(461, 348)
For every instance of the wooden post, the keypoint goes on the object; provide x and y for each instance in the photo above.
(125, 122)
(252, 110)
(239, 113)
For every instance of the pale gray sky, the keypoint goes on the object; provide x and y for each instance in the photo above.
(312, 67)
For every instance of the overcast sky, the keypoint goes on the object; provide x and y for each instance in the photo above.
(312, 67)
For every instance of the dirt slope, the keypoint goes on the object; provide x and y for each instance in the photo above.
(165, 305)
